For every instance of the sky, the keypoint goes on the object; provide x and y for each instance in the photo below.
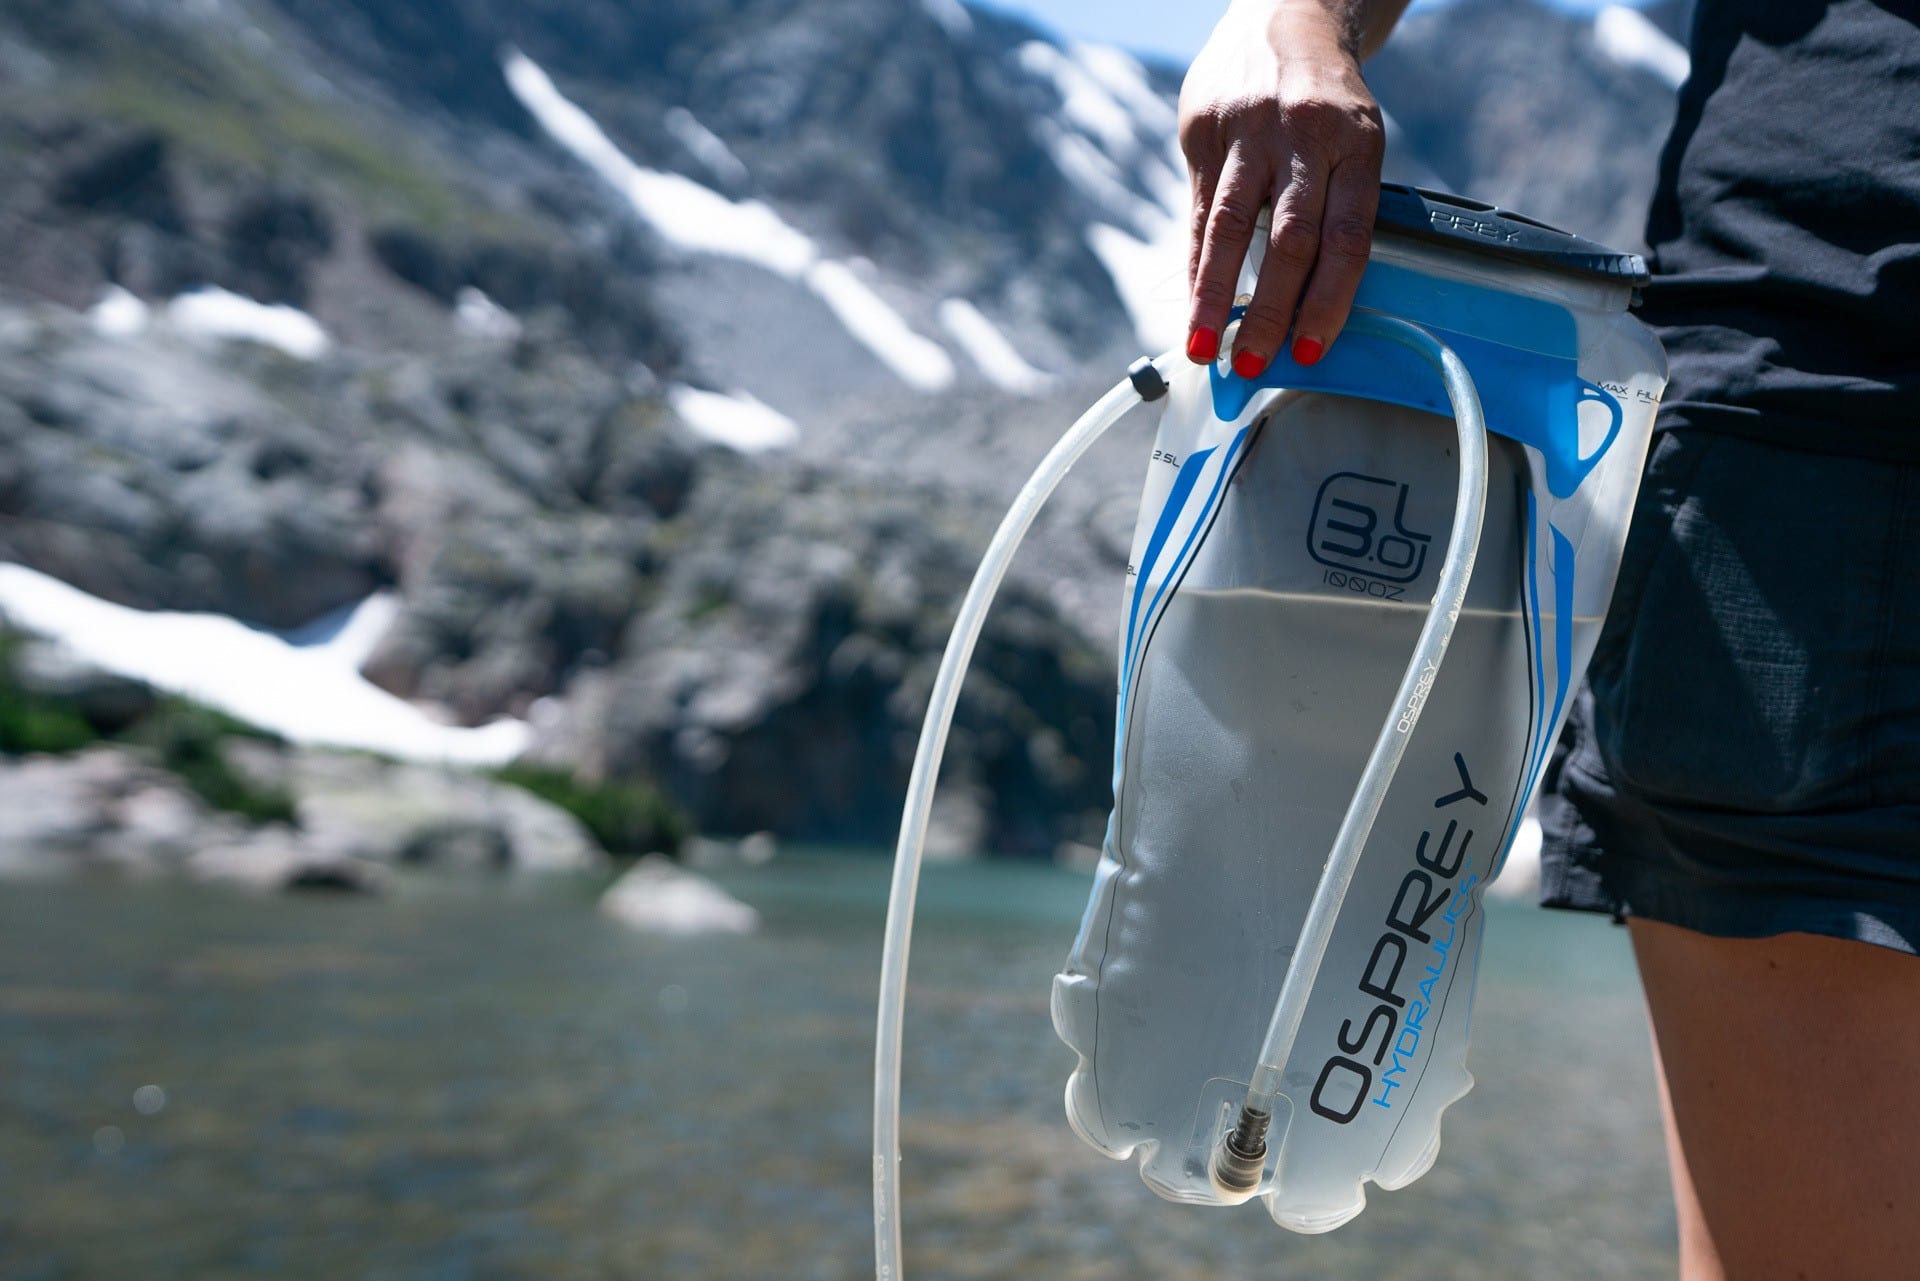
(1173, 28)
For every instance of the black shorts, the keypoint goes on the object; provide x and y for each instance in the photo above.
(1745, 757)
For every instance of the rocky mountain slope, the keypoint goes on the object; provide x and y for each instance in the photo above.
(668, 361)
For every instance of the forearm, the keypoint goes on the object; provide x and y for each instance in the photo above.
(1276, 113)
(1313, 28)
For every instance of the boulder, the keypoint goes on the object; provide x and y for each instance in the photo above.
(108, 809)
(662, 897)
(278, 858)
(146, 471)
(105, 700)
(102, 809)
(708, 852)
(271, 241)
(463, 844)
(423, 816)
(776, 674)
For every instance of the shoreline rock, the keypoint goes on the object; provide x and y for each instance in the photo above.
(277, 858)
(419, 815)
(659, 896)
(109, 809)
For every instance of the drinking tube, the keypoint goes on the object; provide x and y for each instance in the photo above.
(1239, 1162)
(1238, 1149)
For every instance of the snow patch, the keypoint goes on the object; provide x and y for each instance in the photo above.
(681, 210)
(1115, 138)
(988, 348)
(1084, 100)
(952, 15)
(737, 421)
(304, 685)
(1122, 76)
(1171, 188)
(1630, 38)
(213, 312)
(701, 220)
(1098, 177)
(706, 146)
(1402, 164)
(1150, 276)
(118, 314)
(918, 362)
(475, 313)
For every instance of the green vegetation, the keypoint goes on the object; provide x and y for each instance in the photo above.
(710, 599)
(185, 739)
(179, 736)
(236, 111)
(30, 722)
(262, 135)
(628, 818)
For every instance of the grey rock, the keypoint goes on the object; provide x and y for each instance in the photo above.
(276, 859)
(514, 504)
(775, 676)
(466, 844)
(1073, 856)
(661, 897)
(414, 814)
(144, 472)
(107, 701)
(272, 239)
(101, 810)
(960, 826)
(1514, 104)
(759, 635)
(105, 810)
(108, 810)
(708, 853)
(123, 172)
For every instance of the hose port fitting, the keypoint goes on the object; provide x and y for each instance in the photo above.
(1240, 1162)
(1146, 379)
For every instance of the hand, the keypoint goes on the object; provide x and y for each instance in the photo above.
(1274, 110)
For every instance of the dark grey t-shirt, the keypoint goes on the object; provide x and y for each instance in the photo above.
(1786, 227)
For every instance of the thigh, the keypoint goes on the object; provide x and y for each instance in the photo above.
(1745, 759)
(1792, 1070)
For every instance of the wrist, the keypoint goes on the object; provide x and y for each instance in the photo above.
(1319, 31)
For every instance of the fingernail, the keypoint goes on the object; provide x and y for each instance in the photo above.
(1249, 364)
(1203, 346)
(1307, 351)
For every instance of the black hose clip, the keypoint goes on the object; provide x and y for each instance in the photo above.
(1146, 379)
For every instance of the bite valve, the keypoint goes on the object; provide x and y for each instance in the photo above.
(1241, 1159)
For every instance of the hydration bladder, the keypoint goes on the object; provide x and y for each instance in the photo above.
(1360, 596)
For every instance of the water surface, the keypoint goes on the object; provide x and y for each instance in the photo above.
(481, 1081)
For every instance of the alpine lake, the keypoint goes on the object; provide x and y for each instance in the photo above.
(487, 1080)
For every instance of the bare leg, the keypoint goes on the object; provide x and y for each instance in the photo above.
(1791, 1077)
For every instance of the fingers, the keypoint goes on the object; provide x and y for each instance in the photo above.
(1293, 246)
(1318, 163)
(1227, 231)
(1205, 181)
(1346, 237)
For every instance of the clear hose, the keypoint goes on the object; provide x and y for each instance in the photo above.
(1428, 651)
(1105, 412)
(1246, 1147)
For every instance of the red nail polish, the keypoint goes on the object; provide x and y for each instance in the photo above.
(1307, 351)
(1249, 364)
(1203, 345)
